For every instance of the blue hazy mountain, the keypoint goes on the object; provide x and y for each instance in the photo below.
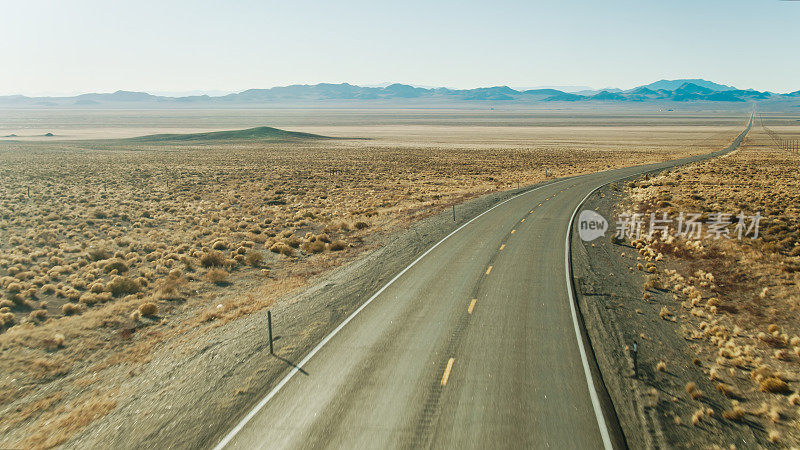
(606, 95)
(546, 92)
(565, 97)
(641, 90)
(672, 85)
(684, 90)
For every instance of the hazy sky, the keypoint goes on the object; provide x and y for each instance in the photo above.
(67, 47)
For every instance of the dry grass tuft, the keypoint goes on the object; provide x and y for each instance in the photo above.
(98, 254)
(774, 385)
(728, 390)
(148, 309)
(762, 372)
(170, 288)
(314, 247)
(213, 259)
(123, 286)
(736, 413)
(217, 276)
(693, 391)
(38, 315)
(653, 283)
(282, 248)
(254, 258)
(782, 355)
(338, 245)
(698, 415)
(117, 265)
(69, 309)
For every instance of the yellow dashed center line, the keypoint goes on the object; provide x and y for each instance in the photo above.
(523, 220)
(489, 270)
(472, 305)
(502, 247)
(531, 211)
(540, 204)
(513, 231)
(446, 374)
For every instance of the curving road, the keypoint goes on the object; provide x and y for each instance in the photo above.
(475, 345)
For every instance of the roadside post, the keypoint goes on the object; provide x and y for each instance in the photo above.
(269, 325)
(454, 213)
(635, 359)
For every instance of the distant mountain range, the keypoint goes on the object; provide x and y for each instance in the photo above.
(671, 85)
(664, 91)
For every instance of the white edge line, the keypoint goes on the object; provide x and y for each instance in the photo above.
(231, 434)
(598, 412)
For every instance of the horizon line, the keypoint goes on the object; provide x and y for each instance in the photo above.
(217, 93)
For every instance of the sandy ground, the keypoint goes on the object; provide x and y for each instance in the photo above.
(417, 125)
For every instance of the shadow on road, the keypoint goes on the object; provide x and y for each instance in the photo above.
(300, 369)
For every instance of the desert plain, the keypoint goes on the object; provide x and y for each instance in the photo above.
(114, 246)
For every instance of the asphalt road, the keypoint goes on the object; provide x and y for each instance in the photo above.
(473, 346)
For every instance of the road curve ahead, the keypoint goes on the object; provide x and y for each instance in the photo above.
(472, 346)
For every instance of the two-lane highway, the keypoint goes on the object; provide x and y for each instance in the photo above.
(520, 377)
(472, 346)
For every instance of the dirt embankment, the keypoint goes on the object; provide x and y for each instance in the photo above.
(714, 319)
